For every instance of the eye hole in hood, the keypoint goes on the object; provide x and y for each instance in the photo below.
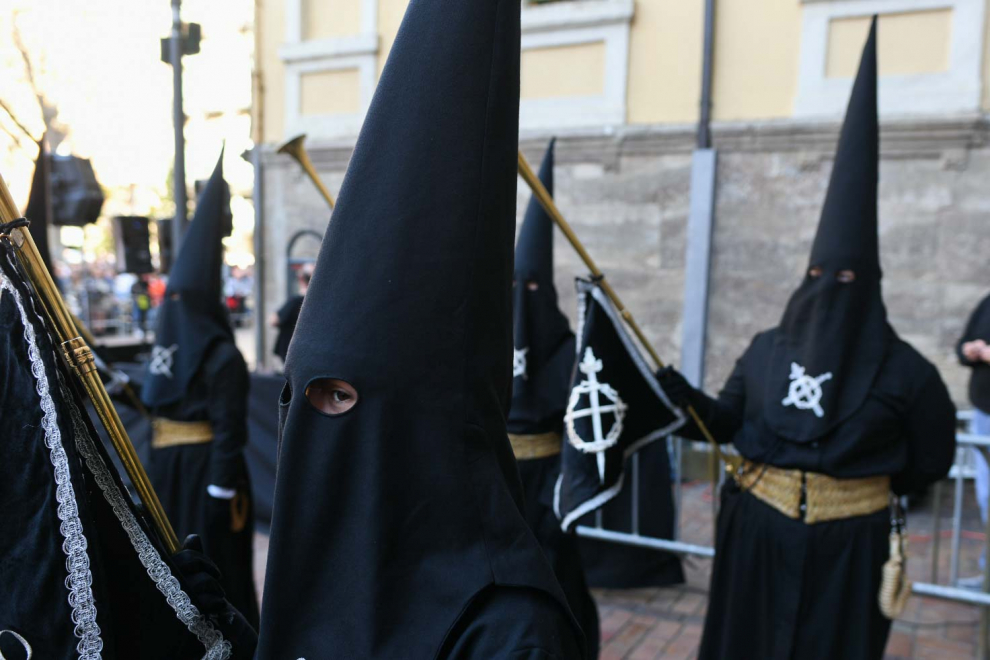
(331, 396)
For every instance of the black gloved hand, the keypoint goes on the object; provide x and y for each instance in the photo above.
(202, 577)
(676, 386)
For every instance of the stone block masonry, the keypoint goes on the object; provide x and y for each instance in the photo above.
(626, 194)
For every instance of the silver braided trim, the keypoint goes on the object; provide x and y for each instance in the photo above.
(79, 581)
(217, 648)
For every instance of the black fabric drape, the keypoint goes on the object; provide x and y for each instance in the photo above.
(83, 571)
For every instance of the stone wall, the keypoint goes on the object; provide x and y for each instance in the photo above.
(627, 196)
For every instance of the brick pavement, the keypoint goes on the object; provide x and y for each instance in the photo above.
(643, 624)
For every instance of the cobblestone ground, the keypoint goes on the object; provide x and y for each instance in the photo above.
(643, 624)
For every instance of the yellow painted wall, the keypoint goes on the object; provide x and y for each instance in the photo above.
(912, 43)
(665, 61)
(757, 54)
(330, 92)
(322, 19)
(757, 46)
(562, 71)
(270, 34)
(390, 13)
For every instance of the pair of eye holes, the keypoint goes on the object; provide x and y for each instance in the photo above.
(843, 276)
(331, 396)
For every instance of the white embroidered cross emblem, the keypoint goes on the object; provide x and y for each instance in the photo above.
(805, 392)
(161, 360)
(519, 362)
(590, 387)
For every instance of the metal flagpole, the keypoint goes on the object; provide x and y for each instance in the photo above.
(79, 357)
(178, 119)
(546, 201)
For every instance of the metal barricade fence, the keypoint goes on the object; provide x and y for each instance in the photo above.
(962, 469)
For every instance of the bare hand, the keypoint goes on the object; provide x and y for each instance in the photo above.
(973, 350)
(985, 354)
(273, 321)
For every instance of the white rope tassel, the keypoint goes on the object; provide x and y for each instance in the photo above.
(895, 588)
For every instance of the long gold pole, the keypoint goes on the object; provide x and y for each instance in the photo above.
(79, 356)
(297, 150)
(546, 201)
(129, 392)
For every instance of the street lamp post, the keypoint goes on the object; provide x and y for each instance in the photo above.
(179, 119)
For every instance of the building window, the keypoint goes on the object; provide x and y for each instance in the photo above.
(929, 55)
(330, 66)
(575, 63)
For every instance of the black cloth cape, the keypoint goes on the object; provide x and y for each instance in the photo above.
(978, 327)
(394, 521)
(596, 477)
(84, 573)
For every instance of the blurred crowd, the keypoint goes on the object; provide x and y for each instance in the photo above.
(114, 303)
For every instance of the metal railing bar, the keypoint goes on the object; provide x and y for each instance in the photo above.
(951, 593)
(635, 494)
(646, 542)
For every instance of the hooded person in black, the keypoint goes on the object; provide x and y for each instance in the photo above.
(973, 350)
(397, 529)
(196, 390)
(832, 411)
(542, 363)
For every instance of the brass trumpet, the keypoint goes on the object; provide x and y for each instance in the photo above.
(295, 148)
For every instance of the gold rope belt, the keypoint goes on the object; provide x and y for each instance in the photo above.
(169, 433)
(825, 498)
(539, 445)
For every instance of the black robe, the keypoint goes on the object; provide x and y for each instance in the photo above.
(978, 327)
(785, 589)
(181, 474)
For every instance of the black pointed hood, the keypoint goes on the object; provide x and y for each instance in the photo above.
(833, 336)
(39, 205)
(847, 231)
(543, 355)
(534, 250)
(192, 317)
(391, 517)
